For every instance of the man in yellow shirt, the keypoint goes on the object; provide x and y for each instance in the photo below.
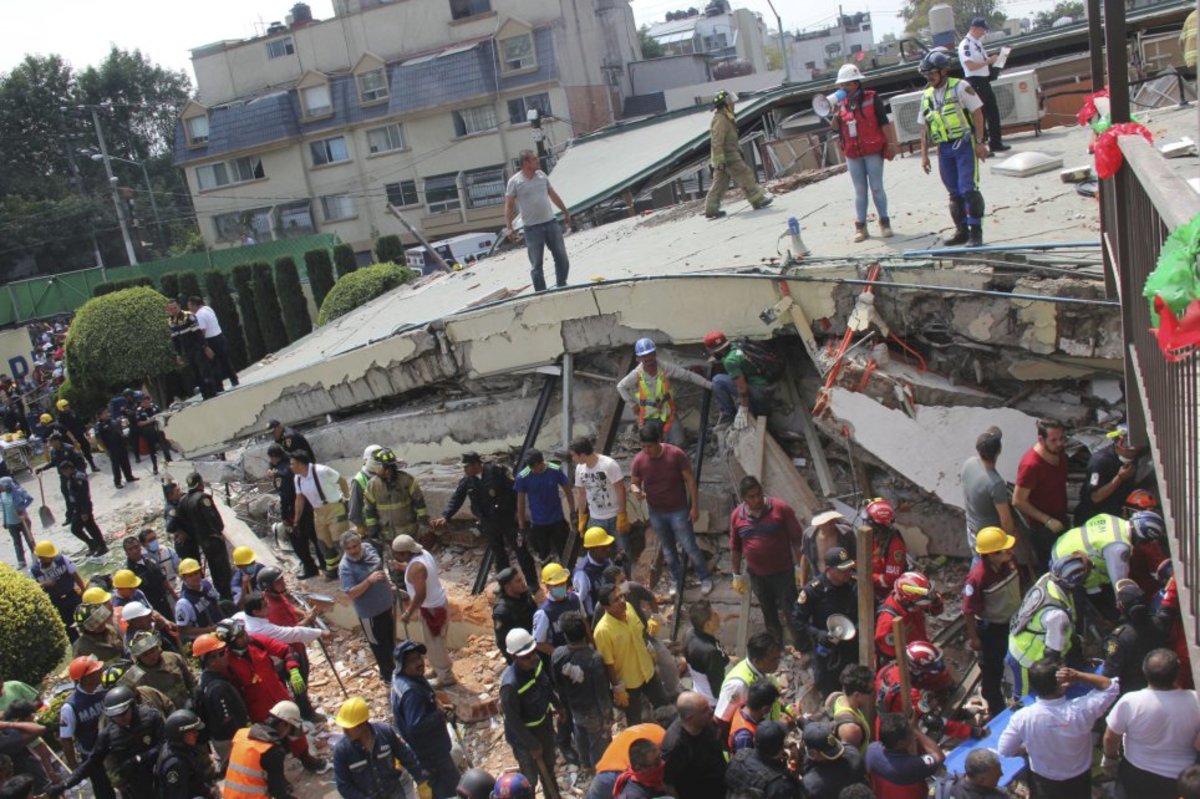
(621, 641)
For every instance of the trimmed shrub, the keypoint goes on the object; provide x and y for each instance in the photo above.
(361, 287)
(266, 301)
(343, 257)
(291, 299)
(86, 402)
(120, 339)
(243, 284)
(120, 285)
(221, 301)
(189, 286)
(170, 284)
(388, 249)
(33, 640)
(320, 274)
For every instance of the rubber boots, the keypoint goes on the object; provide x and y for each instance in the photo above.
(961, 235)
(975, 235)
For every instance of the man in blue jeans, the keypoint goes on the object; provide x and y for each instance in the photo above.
(663, 474)
(538, 486)
(529, 191)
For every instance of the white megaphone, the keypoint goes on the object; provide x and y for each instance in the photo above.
(840, 627)
(822, 105)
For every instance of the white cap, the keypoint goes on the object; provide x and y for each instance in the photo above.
(287, 711)
(406, 543)
(826, 517)
(134, 610)
(519, 642)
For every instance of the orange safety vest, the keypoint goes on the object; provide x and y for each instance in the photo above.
(659, 405)
(740, 722)
(245, 777)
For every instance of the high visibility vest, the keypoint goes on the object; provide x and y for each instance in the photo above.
(657, 403)
(535, 701)
(743, 672)
(1027, 641)
(867, 138)
(1091, 539)
(245, 778)
(845, 713)
(740, 722)
(950, 122)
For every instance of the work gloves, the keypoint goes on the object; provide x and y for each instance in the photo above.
(583, 521)
(622, 523)
(742, 420)
(620, 695)
(573, 672)
(296, 680)
(740, 584)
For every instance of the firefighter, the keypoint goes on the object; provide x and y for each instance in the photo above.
(98, 633)
(931, 684)
(392, 503)
(358, 486)
(890, 557)
(727, 162)
(912, 599)
(165, 671)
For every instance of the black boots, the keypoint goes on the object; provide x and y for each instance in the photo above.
(975, 235)
(961, 235)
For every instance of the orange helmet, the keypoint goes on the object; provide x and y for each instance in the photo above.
(1141, 499)
(205, 644)
(715, 341)
(881, 512)
(84, 665)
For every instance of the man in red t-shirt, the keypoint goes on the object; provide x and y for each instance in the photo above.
(766, 532)
(1041, 492)
(663, 474)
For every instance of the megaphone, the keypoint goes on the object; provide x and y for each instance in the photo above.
(822, 105)
(840, 627)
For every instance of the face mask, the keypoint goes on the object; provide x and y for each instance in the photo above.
(558, 591)
(153, 545)
(1123, 459)
(652, 777)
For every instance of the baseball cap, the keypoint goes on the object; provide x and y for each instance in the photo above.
(404, 647)
(838, 558)
(826, 517)
(980, 22)
(471, 457)
(1129, 592)
(506, 576)
(819, 737)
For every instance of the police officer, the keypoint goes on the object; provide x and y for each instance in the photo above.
(1108, 541)
(108, 430)
(82, 515)
(59, 578)
(1046, 621)
(835, 591)
(75, 426)
(290, 440)
(514, 607)
(303, 536)
(188, 340)
(526, 694)
(60, 452)
(1134, 638)
(128, 747)
(184, 770)
(199, 516)
(185, 543)
(198, 609)
(392, 503)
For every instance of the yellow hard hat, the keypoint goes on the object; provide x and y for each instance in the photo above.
(596, 537)
(993, 539)
(243, 556)
(96, 596)
(45, 549)
(62, 405)
(126, 579)
(189, 565)
(45, 418)
(354, 711)
(554, 574)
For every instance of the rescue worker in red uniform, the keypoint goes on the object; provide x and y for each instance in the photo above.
(911, 598)
(1168, 616)
(931, 683)
(1147, 555)
(890, 558)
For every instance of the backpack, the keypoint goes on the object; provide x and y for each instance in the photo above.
(762, 359)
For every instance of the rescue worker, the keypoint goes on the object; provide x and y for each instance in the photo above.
(1109, 541)
(144, 695)
(835, 591)
(420, 719)
(1136, 636)
(727, 162)
(78, 430)
(138, 618)
(427, 598)
(494, 505)
(188, 340)
(98, 633)
(762, 695)
(199, 607)
(198, 514)
(150, 578)
(358, 486)
(79, 722)
(58, 577)
(162, 555)
(392, 503)
(911, 599)
(258, 754)
(110, 433)
(654, 398)
(1112, 474)
(526, 695)
(760, 770)
(290, 440)
(319, 493)
(763, 656)
(560, 599)
(83, 517)
(514, 608)
(991, 595)
(145, 420)
(476, 784)
(304, 537)
(185, 770)
(539, 509)
(890, 557)
(743, 388)
(59, 452)
(371, 761)
(589, 569)
(1046, 621)
(864, 134)
(127, 747)
(848, 708)
(245, 575)
(931, 684)
(218, 702)
(951, 117)
(164, 671)
(831, 765)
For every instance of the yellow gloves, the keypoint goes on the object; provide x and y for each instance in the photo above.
(740, 584)
(583, 520)
(622, 523)
(424, 791)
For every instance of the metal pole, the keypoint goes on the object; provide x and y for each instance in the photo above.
(1116, 51)
(112, 185)
(162, 242)
(437, 259)
(787, 69)
(568, 366)
(1096, 43)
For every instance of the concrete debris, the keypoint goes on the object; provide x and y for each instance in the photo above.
(804, 178)
(1023, 165)
(1178, 149)
(1076, 174)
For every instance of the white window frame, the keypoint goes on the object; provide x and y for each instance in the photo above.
(212, 176)
(393, 139)
(337, 207)
(326, 149)
(523, 117)
(193, 137)
(484, 187)
(443, 206)
(524, 62)
(283, 213)
(260, 224)
(278, 48)
(377, 94)
(311, 110)
(246, 169)
(400, 189)
(476, 119)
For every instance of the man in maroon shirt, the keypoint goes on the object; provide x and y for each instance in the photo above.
(1041, 492)
(767, 533)
(663, 474)
(991, 595)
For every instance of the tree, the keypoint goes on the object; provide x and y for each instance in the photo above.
(101, 289)
(169, 283)
(651, 48)
(189, 286)
(774, 58)
(360, 288)
(33, 640)
(292, 299)
(320, 274)
(120, 339)
(915, 13)
(243, 284)
(221, 301)
(343, 256)
(266, 301)
(389, 249)
(1064, 8)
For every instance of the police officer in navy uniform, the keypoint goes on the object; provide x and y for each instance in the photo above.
(835, 591)
(290, 440)
(59, 578)
(184, 770)
(1134, 638)
(514, 607)
(199, 516)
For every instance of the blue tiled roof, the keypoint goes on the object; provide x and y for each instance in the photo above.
(452, 78)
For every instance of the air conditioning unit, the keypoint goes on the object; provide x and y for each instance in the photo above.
(1017, 95)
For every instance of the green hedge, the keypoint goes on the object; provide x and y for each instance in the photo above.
(361, 287)
(320, 274)
(169, 284)
(343, 257)
(291, 299)
(33, 640)
(189, 286)
(120, 339)
(222, 303)
(243, 284)
(266, 301)
(389, 249)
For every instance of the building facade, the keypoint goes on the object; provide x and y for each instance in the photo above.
(319, 126)
(813, 54)
(719, 33)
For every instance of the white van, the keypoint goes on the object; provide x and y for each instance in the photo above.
(464, 249)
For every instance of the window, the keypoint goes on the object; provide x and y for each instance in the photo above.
(373, 85)
(295, 220)
(247, 168)
(337, 206)
(484, 187)
(402, 193)
(441, 193)
(473, 120)
(240, 170)
(210, 176)
(197, 128)
(277, 48)
(381, 140)
(717, 41)
(810, 64)
(516, 53)
(329, 151)
(855, 48)
(519, 108)
(255, 223)
(461, 9)
(316, 100)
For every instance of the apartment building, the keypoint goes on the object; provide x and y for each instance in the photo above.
(318, 126)
(720, 33)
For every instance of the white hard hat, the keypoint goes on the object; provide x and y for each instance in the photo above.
(369, 459)
(287, 711)
(134, 610)
(848, 72)
(519, 642)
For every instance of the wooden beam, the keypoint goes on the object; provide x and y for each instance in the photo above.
(901, 640)
(866, 597)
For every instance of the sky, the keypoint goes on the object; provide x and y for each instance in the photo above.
(161, 30)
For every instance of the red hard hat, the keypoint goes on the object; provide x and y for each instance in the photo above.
(911, 588)
(924, 657)
(715, 340)
(84, 665)
(1141, 499)
(881, 512)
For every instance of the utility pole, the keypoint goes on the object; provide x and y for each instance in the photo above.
(842, 26)
(787, 67)
(112, 185)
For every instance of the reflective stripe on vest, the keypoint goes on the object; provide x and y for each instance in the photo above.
(1027, 644)
(245, 777)
(868, 138)
(532, 682)
(949, 122)
(660, 405)
(1091, 539)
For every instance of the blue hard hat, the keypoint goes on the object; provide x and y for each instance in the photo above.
(512, 786)
(644, 346)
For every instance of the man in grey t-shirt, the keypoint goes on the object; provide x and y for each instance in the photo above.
(530, 192)
(985, 494)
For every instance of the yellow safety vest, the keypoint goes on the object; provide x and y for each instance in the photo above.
(950, 122)
(657, 403)
(1091, 539)
(845, 713)
(743, 672)
(1027, 641)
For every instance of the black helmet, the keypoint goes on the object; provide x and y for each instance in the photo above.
(229, 630)
(114, 671)
(179, 722)
(384, 457)
(720, 98)
(267, 577)
(476, 784)
(934, 60)
(119, 700)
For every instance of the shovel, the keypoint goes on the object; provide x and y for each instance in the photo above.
(44, 513)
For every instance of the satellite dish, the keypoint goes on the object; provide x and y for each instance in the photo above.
(840, 627)
(822, 106)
